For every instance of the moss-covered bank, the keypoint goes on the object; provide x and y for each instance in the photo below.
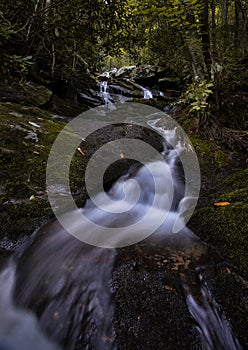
(27, 134)
(224, 178)
(226, 228)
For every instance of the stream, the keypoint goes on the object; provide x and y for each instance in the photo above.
(68, 284)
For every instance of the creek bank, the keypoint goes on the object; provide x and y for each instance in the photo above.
(149, 295)
(28, 133)
(222, 155)
(70, 98)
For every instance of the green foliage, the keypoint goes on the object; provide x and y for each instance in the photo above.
(17, 65)
(64, 38)
(226, 229)
(77, 37)
(196, 96)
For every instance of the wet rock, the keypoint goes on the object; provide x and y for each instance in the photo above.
(126, 72)
(146, 75)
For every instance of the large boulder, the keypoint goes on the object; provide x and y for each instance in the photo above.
(24, 92)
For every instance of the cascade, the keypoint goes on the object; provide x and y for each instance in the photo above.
(104, 91)
(147, 93)
(67, 283)
(213, 327)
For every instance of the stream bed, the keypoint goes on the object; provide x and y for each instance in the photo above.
(156, 292)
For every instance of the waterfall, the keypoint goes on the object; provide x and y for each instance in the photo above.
(19, 328)
(67, 282)
(104, 91)
(147, 93)
(214, 329)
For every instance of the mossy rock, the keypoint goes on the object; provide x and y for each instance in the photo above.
(210, 155)
(23, 160)
(237, 196)
(21, 218)
(237, 180)
(26, 92)
(225, 228)
(213, 161)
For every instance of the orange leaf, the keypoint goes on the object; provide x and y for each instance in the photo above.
(221, 204)
(81, 151)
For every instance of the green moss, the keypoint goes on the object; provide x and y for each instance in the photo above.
(23, 218)
(225, 228)
(25, 167)
(23, 163)
(237, 196)
(237, 180)
(209, 153)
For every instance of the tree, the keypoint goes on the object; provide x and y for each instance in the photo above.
(61, 37)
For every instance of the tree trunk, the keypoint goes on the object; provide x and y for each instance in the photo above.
(214, 51)
(206, 38)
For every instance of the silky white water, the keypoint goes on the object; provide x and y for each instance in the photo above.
(68, 282)
(214, 329)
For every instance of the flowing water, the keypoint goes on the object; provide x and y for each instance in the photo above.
(147, 93)
(19, 329)
(67, 283)
(108, 98)
(104, 91)
(213, 327)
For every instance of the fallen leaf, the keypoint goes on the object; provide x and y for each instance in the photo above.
(221, 204)
(81, 151)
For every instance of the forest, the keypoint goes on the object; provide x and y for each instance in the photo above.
(202, 42)
(177, 72)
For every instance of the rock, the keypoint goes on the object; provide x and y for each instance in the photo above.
(26, 142)
(126, 72)
(108, 74)
(145, 75)
(36, 95)
(11, 92)
(64, 108)
(26, 93)
(226, 227)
